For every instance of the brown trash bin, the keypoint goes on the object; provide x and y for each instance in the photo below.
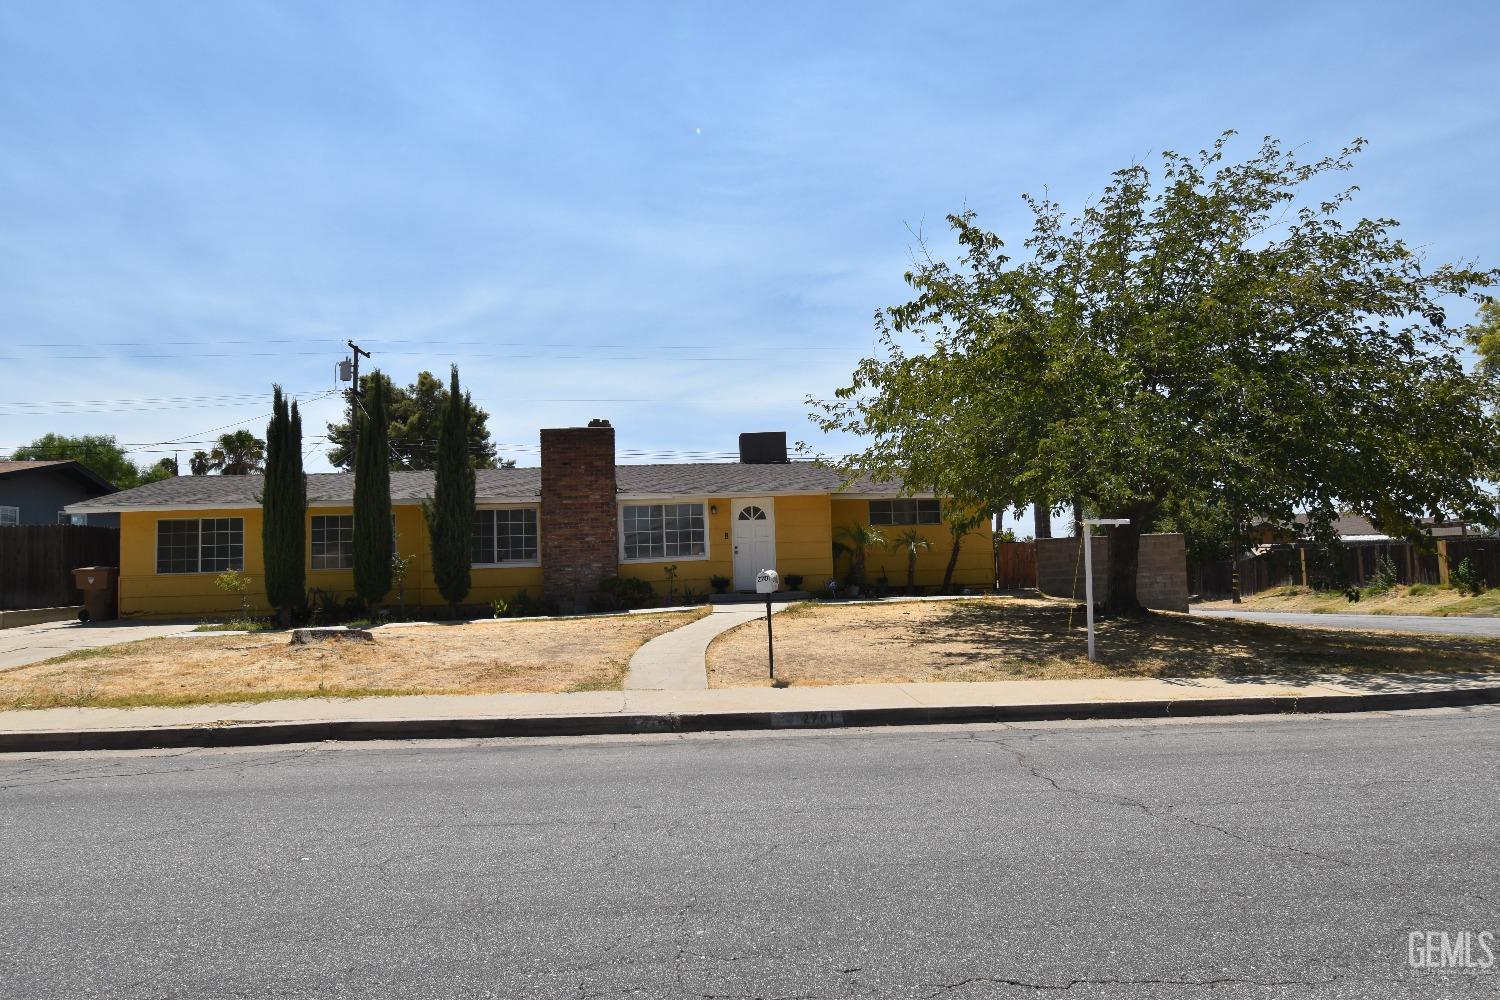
(99, 585)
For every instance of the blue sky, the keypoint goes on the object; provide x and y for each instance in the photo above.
(680, 217)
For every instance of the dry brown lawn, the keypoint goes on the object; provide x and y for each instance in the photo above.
(1422, 599)
(1020, 638)
(578, 654)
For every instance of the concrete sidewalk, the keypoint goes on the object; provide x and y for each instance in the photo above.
(1486, 626)
(600, 712)
(29, 644)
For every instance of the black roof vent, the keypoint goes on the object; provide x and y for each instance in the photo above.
(763, 448)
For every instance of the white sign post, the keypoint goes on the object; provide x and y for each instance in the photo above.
(1088, 569)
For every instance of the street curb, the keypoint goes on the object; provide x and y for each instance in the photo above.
(270, 733)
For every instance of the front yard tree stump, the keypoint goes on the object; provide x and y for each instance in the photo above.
(306, 636)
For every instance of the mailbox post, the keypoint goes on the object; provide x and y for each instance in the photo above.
(766, 582)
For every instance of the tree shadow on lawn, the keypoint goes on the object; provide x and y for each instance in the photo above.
(1032, 639)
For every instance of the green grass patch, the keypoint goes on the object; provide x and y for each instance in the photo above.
(238, 625)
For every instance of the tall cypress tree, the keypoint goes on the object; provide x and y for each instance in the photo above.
(283, 531)
(372, 500)
(450, 512)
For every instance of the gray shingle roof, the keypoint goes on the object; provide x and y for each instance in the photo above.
(498, 486)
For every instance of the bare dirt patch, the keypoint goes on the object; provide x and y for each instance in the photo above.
(578, 654)
(1017, 638)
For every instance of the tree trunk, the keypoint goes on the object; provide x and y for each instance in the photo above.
(1077, 518)
(1124, 559)
(952, 565)
(911, 573)
(1041, 517)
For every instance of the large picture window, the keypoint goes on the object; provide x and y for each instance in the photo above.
(200, 545)
(502, 536)
(333, 541)
(905, 512)
(664, 531)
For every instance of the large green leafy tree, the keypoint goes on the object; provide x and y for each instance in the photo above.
(1219, 337)
(97, 451)
(372, 500)
(284, 509)
(1484, 336)
(416, 412)
(450, 512)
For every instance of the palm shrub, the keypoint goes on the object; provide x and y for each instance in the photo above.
(450, 512)
(910, 542)
(960, 522)
(283, 531)
(856, 539)
(372, 502)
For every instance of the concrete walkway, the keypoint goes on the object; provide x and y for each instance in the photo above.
(1453, 625)
(34, 643)
(678, 660)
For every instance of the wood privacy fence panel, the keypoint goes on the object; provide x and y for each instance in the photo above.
(1015, 565)
(1483, 554)
(1357, 565)
(37, 562)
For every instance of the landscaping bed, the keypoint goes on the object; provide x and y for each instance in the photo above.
(993, 639)
(483, 657)
(1420, 599)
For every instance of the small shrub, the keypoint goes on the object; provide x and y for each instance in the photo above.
(622, 593)
(720, 584)
(1418, 589)
(499, 606)
(691, 596)
(1466, 578)
(232, 581)
(523, 605)
(1385, 579)
(793, 581)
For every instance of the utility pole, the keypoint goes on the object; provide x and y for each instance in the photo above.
(354, 402)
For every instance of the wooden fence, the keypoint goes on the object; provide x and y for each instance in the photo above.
(1356, 565)
(37, 562)
(1015, 565)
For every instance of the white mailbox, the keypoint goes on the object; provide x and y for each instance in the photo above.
(766, 581)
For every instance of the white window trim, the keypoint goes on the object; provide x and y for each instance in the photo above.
(708, 539)
(200, 571)
(514, 563)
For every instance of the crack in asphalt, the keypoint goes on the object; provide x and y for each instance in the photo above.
(1062, 987)
(275, 757)
(1162, 813)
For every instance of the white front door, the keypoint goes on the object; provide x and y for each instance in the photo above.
(754, 540)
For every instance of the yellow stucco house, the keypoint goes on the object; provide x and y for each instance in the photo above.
(555, 530)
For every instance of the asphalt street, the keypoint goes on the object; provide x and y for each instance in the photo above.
(1285, 856)
(1454, 625)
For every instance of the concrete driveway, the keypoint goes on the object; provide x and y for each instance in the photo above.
(34, 643)
(1365, 623)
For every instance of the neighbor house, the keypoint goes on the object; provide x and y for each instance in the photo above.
(38, 492)
(555, 531)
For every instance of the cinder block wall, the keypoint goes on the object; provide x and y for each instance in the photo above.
(1161, 570)
(580, 541)
(1161, 573)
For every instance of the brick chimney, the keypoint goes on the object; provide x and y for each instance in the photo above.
(580, 525)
